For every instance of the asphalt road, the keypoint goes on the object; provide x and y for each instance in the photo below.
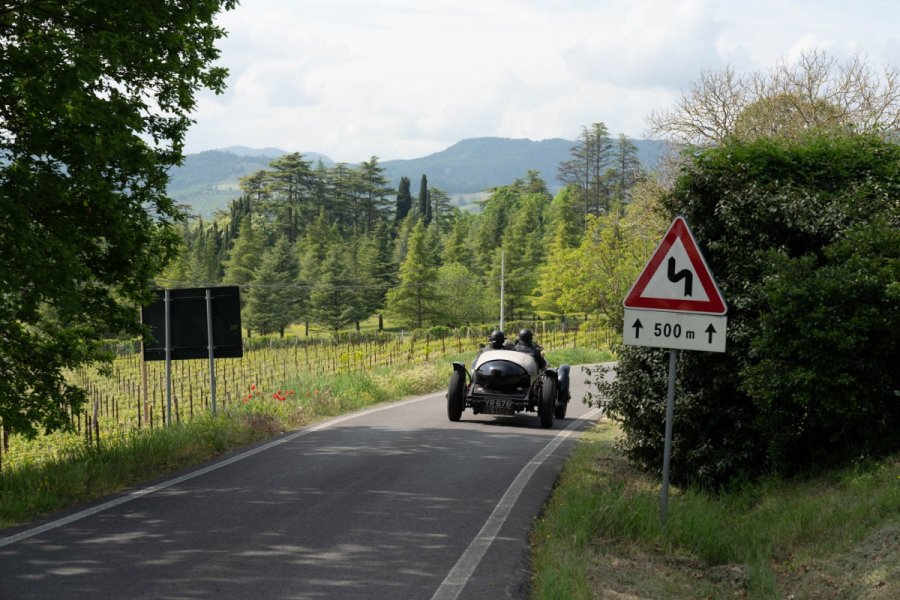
(394, 502)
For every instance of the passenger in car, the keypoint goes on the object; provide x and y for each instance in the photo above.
(526, 344)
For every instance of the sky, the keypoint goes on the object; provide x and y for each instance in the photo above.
(402, 79)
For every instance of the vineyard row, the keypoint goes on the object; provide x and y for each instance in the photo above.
(132, 396)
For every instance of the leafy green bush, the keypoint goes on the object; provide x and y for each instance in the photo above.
(788, 228)
(828, 348)
(440, 331)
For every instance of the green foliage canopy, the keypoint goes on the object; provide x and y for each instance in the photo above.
(586, 168)
(520, 220)
(828, 349)
(801, 235)
(337, 297)
(95, 98)
(414, 301)
(272, 303)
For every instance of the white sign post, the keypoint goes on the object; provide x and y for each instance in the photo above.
(675, 304)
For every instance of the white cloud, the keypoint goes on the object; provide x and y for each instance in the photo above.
(404, 78)
(649, 43)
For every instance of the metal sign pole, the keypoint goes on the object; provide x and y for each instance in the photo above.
(144, 390)
(502, 280)
(168, 302)
(143, 408)
(212, 362)
(667, 451)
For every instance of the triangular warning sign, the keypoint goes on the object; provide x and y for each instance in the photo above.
(677, 278)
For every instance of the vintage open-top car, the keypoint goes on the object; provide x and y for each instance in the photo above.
(505, 382)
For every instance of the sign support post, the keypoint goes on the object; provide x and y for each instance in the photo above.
(675, 304)
(168, 301)
(212, 362)
(667, 449)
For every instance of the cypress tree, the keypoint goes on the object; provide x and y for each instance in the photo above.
(404, 200)
(423, 197)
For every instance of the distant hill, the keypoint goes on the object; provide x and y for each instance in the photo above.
(477, 164)
(245, 151)
(207, 181)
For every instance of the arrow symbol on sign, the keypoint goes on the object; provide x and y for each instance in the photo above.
(682, 274)
(637, 328)
(710, 330)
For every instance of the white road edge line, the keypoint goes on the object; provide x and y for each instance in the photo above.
(462, 571)
(28, 533)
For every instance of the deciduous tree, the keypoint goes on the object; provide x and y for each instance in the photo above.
(462, 297)
(95, 100)
(816, 92)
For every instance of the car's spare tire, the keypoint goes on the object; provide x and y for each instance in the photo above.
(502, 376)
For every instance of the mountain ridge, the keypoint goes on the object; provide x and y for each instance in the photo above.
(208, 180)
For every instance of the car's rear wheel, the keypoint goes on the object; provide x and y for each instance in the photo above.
(456, 396)
(548, 400)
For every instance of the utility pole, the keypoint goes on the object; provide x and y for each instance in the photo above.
(502, 280)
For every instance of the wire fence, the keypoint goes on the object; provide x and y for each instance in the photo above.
(131, 395)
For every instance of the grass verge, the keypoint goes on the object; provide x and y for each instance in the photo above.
(57, 471)
(833, 536)
(60, 470)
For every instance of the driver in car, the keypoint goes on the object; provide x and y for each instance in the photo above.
(526, 344)
(496, 341)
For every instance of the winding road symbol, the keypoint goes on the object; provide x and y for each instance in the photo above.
(682, 274)
(677, 260)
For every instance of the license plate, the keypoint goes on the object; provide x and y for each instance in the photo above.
(495, 403)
